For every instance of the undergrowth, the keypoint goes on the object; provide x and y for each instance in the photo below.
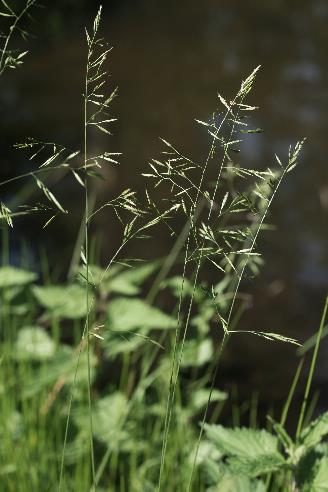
(101, 387)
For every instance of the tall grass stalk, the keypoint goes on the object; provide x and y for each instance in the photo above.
(207, 235)
(177, 357)
(222, 223)
(311, 371)
(86, 246)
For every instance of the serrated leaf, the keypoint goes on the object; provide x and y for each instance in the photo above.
(108, 416)
(320, 482)
(199, 398)
(242, 441)
(237, 483)
(314, 433)
(128, 282)
(11, 276)
(252, 452)
(128, 314)
(137, 275)
(176, 283)
(61, 367)
(121, 343)
(34, 343)
(196, 354)
(255, 467)
(62, 301)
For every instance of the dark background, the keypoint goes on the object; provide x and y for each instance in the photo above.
(169, 60)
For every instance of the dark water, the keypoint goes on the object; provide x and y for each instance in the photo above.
(170, 58)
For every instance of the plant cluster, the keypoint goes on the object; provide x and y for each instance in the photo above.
(102, 387)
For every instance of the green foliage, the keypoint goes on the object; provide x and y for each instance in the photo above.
(33, 343)
(108, 419)
(11, 277)
(314, 433)
(61, 301)
(101, 386)
(250, 453)
(128, 314)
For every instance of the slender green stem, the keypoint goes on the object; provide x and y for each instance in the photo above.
(291, 393)
(311, 371)
(30, 173)
(176, 362)
(215, 373)
(12, 28)
(86, 228)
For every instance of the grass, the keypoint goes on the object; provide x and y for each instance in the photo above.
(104, 389)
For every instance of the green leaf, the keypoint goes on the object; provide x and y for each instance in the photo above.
(12, 276)
(34, 343)
(254, 467)
(115, 280)
(312, 471)
(108, 416)
(121, 343)
(62, 301)
(251, 452)
(308, 466)
(175, 284)
(196, 354)
(137, 275)
(320, 482)
(128, 282)
(242, 441)
(61, 367)
(199, 398)
(313, 434)
(237, 483)
(121, 285)
(128, 314)
(11, 425)
(202, 320)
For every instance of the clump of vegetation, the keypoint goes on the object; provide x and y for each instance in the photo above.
(104, 389)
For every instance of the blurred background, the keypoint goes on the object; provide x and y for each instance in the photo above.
(169, 60)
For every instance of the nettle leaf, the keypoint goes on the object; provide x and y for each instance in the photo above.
(309, 465)
(121, 343)
(129, 281)
(34, 343)
(11, 425)
(11, 276)
(137, 275)
(108, 416)
(62, 367)
(127, 314)
(199, 398)
(250, 452)
(121, 285)
(115, 280)
(313, 434)
(196, 354)
(62, 301)
(255, 467)
(202, 320)
(211, 469)
(320, 482)
(242, 441)
(176, 283)
(237, 483)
